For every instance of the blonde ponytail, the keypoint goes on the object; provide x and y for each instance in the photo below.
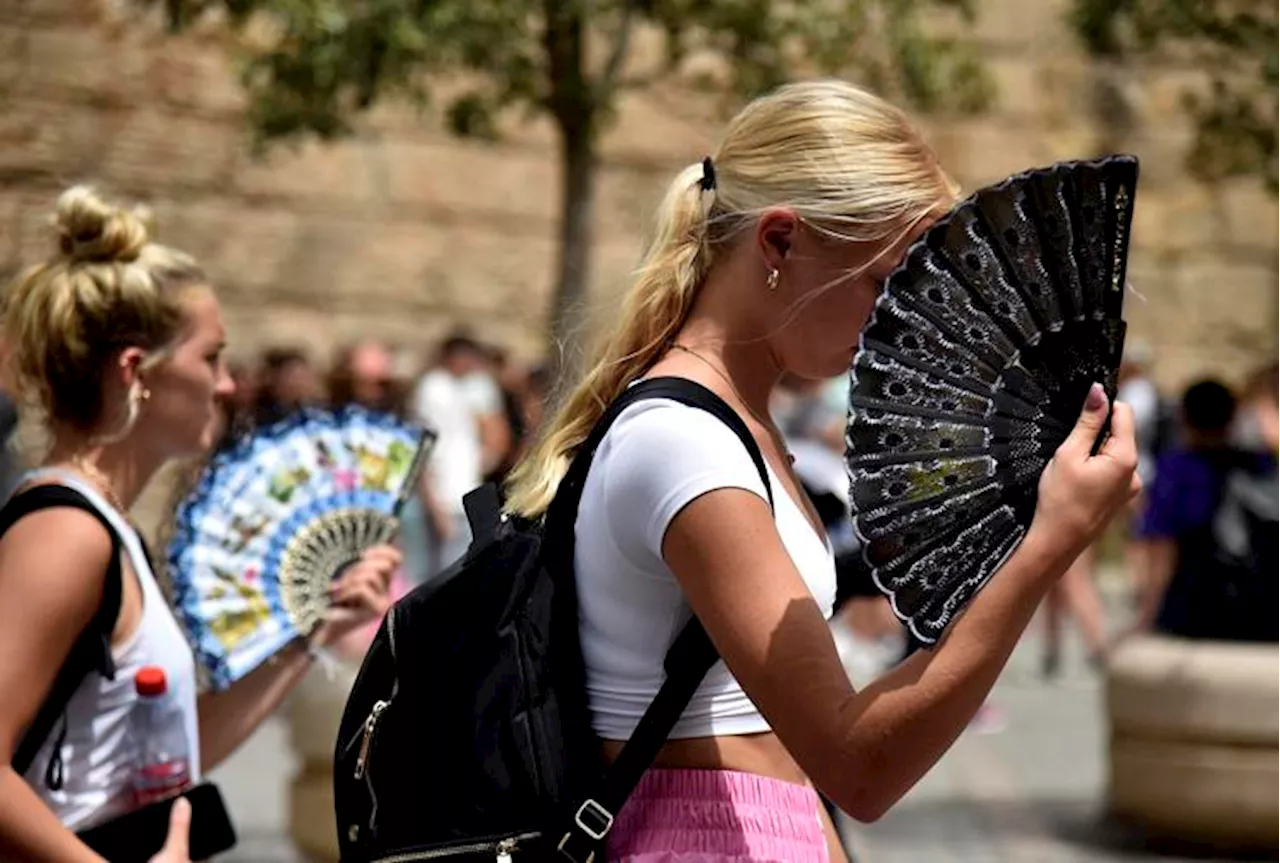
(846, 162)
(652, 312)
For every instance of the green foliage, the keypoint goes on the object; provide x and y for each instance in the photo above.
(1232, 41)
(325, 61)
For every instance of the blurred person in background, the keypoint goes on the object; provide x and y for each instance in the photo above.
(1211, 523)
(287, 381)
(533, 404)
(1139, 391)
(1075, 595)
(235, 410)
(507, 438)
(460, 400)
(118, 342)
(1258, 420)
(364, 374)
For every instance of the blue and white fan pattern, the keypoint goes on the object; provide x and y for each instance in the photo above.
(273, 518)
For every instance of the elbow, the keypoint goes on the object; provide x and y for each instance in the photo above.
(867, 808)
(869, 796)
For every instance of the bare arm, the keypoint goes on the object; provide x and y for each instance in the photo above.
(866, 749)
(49, 591)
(227, 718)
(1161, 559)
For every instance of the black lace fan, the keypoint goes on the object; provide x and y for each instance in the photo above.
(971, 372)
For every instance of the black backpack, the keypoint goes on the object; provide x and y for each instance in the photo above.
(467, 733)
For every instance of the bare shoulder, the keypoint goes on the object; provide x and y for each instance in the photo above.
(55, 549)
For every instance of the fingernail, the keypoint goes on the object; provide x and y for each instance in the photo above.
(1097, 398)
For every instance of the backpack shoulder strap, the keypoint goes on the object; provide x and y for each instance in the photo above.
(91, 651)
(691, 654)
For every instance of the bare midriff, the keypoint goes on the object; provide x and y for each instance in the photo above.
(762, 754)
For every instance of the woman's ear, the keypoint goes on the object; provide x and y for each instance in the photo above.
(775, 232)
(129, 362)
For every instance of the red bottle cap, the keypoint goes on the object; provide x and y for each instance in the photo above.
(150, 681)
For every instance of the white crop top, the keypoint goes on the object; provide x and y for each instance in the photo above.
(99, 752)
(658, 456)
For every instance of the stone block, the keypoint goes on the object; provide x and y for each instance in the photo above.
(41, 136)
(188, 73)
(82, 59)
(472, 180)
(157, 150)
(344, 176)
(1219, 794)
(1249, 215)
(978, 152)
(74, 12)
(1192, 752)
(654, 128)
(1179, 218)
(254, 246)
(1016, 25)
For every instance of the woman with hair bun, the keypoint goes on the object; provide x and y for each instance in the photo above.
(118, 342)
(766, 260)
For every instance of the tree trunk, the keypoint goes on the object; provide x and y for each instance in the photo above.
(577, 210)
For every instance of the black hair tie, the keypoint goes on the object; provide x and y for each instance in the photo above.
(708, 175)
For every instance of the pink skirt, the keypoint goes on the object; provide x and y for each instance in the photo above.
(718, 816)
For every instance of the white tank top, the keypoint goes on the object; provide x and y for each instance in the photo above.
(99, 750)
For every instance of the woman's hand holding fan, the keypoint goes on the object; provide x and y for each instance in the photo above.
(1080, 492)
(359, 595)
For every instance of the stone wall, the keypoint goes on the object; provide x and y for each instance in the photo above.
(403, 230)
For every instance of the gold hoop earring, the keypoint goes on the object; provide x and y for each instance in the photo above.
(772, 281)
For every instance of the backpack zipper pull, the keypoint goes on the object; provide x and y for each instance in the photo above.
(366, 741)
(505, 847)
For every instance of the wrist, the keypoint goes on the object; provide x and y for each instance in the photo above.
(1053, 547)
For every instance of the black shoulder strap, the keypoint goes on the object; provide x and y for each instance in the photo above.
(691, 654)
(92, 649)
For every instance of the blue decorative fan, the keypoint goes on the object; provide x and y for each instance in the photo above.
(273, 518)
(971, 372)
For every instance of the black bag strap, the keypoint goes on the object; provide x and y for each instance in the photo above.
(91, 651)
(691, 654)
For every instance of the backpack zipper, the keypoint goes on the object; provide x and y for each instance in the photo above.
(502, 850)
(366, 740)
(371, 722)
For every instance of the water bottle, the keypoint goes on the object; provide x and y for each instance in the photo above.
(163, 767)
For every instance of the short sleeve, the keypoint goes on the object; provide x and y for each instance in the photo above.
(658, 457)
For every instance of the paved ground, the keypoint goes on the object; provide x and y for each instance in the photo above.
(1031, 793)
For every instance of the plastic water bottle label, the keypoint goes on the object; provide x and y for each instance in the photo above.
(159, 781)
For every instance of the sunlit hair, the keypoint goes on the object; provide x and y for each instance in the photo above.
(850, 165)
(106, 288)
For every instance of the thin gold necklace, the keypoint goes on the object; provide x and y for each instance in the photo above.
(99, 481)
(768, 426)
